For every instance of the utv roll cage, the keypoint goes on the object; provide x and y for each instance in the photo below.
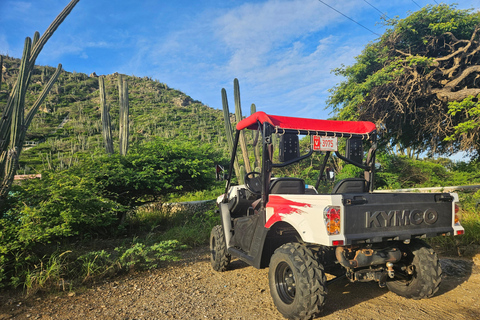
(287, 127)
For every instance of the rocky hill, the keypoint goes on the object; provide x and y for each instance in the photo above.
(69, 120)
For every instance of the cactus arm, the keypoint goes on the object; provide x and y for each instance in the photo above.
(30, 68)
(9, 156)
(256, 148)
(33, 110)
(31, 113)
(229, 134)
(1, 71)
(105, 116)
(120, 120)
(226, 118)
(238, 116)
(19, 100)
(50, 30)
(124, 109)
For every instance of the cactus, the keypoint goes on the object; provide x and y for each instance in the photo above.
(10, 147)
(44, 74)
(105, 115)
(229, 134)
(238, 116)
(242, 172)
(256, 148)
(40, 99)
(1, 71)
(124, 125)
(13, 124)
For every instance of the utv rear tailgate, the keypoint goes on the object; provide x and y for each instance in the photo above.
(378, 217)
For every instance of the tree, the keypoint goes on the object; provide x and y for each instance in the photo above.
(419, 82)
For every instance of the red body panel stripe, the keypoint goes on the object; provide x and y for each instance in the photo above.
(283, 206)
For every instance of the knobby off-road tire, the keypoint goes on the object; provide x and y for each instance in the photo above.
(297, 282)
(427, 273)
(219, 257)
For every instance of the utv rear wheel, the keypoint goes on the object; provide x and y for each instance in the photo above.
(297, 282)
(423, 276)
(219, 256)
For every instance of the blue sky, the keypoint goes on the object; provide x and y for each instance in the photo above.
(281, 51)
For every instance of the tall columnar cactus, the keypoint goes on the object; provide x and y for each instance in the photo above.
(256, 149)
(105, 115)
(229, 134)
(123, 128)
(238, 116)
(44, 74)
(1, 71)
(13, 123)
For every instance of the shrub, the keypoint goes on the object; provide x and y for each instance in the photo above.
(87, 199)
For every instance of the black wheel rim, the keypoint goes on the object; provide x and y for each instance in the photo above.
(285, 282)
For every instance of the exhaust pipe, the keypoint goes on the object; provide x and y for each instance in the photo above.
(367, 257)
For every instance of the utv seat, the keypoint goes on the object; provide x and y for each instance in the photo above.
(239, 204)
(351, 185)
(287, 186)
(283, 186)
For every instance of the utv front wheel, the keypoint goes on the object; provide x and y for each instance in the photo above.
(297, 282)
(219, 257)
(423, 272)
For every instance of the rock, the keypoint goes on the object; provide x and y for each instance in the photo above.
(182, 101)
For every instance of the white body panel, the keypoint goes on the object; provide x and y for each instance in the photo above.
(305, 214)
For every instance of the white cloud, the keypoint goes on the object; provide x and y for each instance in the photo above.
(281, 51)
(297, 84)
(255, 32)
(56, 48)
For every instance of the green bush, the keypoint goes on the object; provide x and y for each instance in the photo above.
(402, 172)
(154, 170)
(87, 199)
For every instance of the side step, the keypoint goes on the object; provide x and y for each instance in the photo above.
(242, 255)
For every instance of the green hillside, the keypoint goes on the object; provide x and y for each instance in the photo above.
(68, 123)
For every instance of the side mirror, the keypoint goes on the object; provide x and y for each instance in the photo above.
(289, 147)
(354, 150)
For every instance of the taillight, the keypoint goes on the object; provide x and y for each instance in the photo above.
(331, 215)
(457, 215)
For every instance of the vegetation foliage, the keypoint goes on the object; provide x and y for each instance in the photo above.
(87, 199)
(419, 82)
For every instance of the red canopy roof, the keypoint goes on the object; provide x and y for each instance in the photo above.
(334, 126)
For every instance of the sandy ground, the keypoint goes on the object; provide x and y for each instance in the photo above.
(190, 289)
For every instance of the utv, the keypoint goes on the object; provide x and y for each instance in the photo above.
(283, 224)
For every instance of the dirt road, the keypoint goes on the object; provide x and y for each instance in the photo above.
(190, 289)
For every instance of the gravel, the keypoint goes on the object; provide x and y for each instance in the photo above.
(190, 289)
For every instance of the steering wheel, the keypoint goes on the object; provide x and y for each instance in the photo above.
(253, 184)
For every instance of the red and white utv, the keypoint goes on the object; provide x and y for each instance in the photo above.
(283, 224)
